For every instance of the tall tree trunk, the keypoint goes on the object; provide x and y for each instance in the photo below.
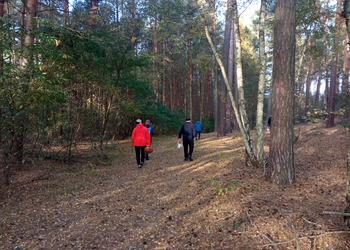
(215, 73)
(269, 103)
(302, 55)
(347, 16)
(164, 70)
(225, 59)
(65, 12)
(189, 75)
(23, 11)
(334, 72)
(281, 159)
(261, 87)
(347, 199)
(93, 12)
(325, 52)
(2, 5)
(207, 110)
(307, 90)
(171, 94)
(331, 93)
(318, 86)
(29, 37)
(229, 117)
(203, 84)
(251, 160)
(155, 51)
(195, 104)
(346, 67)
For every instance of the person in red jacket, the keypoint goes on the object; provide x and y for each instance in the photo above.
(140, 138)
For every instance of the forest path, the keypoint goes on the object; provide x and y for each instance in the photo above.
(167, 189)
(213, 202)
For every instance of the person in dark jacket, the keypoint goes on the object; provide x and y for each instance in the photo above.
(140, 138)
(199, 127)
(188, 132)
(150, 130)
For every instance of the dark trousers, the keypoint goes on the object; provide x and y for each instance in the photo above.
(140, 151)
(190, 145)
(198, 134)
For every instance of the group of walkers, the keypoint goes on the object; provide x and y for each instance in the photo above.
(142, 137)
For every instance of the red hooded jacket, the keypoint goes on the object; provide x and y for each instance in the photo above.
(140, 136)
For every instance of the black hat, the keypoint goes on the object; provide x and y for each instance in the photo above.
(188, 119)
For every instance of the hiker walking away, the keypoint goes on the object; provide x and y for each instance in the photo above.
(199, 127)
(269, 124)
(150, 130)
(188, 132)
(140, 138)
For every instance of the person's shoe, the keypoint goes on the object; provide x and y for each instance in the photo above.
(186, 159)
(147, 158)
(190, 158)
(140, 166)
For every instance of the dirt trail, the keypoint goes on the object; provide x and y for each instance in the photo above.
(214, 202)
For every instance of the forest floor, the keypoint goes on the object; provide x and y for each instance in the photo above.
(213, 202)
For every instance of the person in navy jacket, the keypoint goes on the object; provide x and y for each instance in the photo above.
(188, 132)
(199, 127)
(150, 130)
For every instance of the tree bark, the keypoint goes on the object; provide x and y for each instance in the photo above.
(346, 14)
(281, 159)
(251, 160)
(189, 75)
(93, 12)
(331, 93)
(29, 38)
(230, 67)
(345, 78)
(65, 12)
(2, 5)
(325, 23)
(155, 52)
(164, 70)
(334, 75)
(318, 86)
(307, 90)
(215, 73)
(347, 208)
(222, 100)
(261, 87)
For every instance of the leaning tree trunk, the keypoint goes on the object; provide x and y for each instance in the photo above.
(281, 158)
(234, 106)
(261, 88)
